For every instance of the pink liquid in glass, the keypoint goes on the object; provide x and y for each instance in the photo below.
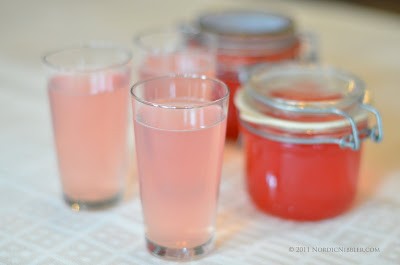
(179, 154)
(89, 114)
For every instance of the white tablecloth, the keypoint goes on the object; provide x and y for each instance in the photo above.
(36, 227)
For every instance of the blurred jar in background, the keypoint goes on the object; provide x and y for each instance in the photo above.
(244, 38)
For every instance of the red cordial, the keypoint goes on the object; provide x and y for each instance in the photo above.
(303, 129)
(244, 38)
(231, 78)
(302, 182)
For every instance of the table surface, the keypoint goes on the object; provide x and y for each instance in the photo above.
(36, 227)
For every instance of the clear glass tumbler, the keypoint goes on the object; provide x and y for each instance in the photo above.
(88, 89)
(180, 123)
(169, 51)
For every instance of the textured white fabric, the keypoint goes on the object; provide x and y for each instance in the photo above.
(37, 228)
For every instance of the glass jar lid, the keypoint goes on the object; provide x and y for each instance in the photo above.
(304, 89)
(308, 100)
(253, 33)
(246, 23)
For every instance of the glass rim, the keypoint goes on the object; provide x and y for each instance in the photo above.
(138, 39)
(184, 76)
(90, 45)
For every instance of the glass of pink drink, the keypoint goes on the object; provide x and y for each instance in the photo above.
(170, 52)
(179, 123)
(88, 89)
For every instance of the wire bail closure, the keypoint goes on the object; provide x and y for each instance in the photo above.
(376, 132)
(351, 141)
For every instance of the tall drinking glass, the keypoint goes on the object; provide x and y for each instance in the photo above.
(170, 51)
(88, 89)
(180, 123)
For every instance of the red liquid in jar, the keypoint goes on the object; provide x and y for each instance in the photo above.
(231, 77)
(303, 182)
(232, 129)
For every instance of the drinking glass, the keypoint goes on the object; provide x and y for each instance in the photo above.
(169, 51)
(180, 123)
(88, 89)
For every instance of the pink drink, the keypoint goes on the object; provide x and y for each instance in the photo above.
(179, 154)
(89, 114)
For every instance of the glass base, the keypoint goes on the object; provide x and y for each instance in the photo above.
(78, 205)
(180, 254)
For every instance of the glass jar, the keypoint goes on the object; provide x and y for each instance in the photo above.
(303, 130)
(244, 38)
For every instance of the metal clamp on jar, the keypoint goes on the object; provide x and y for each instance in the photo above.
(303, 130)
